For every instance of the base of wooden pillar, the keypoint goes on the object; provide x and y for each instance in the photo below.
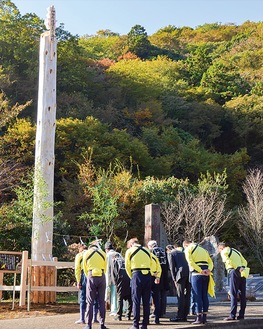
(43, 276)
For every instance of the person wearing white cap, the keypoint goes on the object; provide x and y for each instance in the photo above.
(111, 293)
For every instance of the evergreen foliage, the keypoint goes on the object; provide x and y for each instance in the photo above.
(168, 107)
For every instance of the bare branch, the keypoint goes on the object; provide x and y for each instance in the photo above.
(251, 216)
(195, 216)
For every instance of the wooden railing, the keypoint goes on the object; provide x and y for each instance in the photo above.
(26, 268)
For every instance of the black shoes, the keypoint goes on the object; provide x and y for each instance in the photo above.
(229, 318)
(102, 326)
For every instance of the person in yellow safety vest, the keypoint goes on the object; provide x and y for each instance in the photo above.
(235, 265)
(94, 266)
(138, 265)
(200, 265)
(81, 282)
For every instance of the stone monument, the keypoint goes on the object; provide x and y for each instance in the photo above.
(154, 229)
(210, 244)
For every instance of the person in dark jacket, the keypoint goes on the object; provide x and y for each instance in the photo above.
(160, 253)
(123, 286)
(180, 275)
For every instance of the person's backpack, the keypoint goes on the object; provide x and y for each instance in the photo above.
(160, 254)
(121, 262)
(119, 266)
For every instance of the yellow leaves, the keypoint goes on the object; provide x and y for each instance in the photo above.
(7, 112)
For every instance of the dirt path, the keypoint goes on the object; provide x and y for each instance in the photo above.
(218, 310)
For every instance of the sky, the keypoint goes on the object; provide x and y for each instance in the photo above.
(86, 17)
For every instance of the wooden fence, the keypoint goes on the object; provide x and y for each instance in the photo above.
(44, 273)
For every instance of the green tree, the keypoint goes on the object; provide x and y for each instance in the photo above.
(71, 65)
(19, 44)
(113, 195)
(16, 218)
(224, 82)
(167, 38)
(102, 45)
(245, 115)
(138, 42)
(7, 112)
(199, 61)
(17, 144)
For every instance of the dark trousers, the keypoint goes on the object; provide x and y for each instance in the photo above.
(96, 286)
(237, 284)
(155, 291)
(200, 294)
(183, 287)
(95, 309)
(120, 299)
(82, 297)
(141, 290)
(163, 301)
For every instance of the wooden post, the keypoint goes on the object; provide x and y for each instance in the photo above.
(29, 282)
(22, 299)
(42, 228)
(1, 283)
(42, 231)
(35, 282)
(42, 282)
(53, 281)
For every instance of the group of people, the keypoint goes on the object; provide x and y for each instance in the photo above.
(141, 278)
(191, 270)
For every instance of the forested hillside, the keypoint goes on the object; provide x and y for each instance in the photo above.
(139, 118)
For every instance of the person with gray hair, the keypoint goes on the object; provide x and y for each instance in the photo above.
(111, 293)
(160, 253)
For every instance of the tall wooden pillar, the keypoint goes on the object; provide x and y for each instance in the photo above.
(43, 276)
(42, 228)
